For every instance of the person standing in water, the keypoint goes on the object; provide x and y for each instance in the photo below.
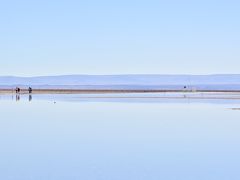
(18, 90)
(30, 90)
(30, 94)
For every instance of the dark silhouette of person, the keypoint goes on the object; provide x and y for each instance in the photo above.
(29, 90)
(18, 90)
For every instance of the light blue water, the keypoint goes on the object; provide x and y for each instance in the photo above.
(117, 140)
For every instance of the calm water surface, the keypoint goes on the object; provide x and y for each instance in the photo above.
(102, 139)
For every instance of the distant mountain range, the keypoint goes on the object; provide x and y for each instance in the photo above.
(203, 82)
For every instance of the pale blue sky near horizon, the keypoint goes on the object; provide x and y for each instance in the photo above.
(119, 37)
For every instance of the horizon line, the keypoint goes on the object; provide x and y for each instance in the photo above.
(58, 75)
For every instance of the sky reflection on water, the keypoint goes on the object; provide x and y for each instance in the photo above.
(118, 140)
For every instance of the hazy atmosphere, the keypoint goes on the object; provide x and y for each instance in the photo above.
(119, 90)
(119, 37)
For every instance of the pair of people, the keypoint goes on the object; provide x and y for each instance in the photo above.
(18, 90)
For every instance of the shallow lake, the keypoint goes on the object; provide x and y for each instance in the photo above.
(73, 137)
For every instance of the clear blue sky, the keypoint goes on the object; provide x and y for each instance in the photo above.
(47, 37)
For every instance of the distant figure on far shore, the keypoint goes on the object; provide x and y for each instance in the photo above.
(30, 90)
(18, 90)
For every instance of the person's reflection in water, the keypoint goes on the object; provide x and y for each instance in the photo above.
(17, 97)
(30, 98)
